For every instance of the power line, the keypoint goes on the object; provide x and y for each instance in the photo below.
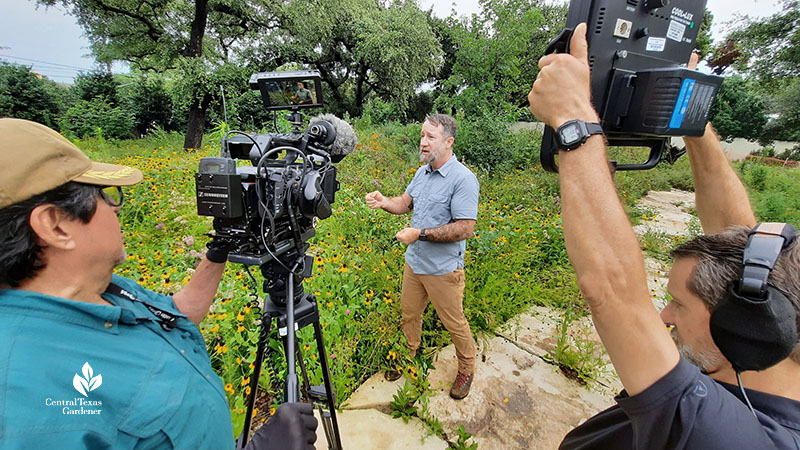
(46, 62)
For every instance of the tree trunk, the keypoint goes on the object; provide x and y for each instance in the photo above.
(197, 111)
(198, 31)
(197, 123)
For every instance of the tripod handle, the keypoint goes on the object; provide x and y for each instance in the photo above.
(292, 394)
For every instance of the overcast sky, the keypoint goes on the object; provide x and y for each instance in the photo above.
(53, 44)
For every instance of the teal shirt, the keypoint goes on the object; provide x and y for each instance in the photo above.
(440, 197)
(75, 375)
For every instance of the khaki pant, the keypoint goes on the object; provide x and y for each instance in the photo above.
(446, 292)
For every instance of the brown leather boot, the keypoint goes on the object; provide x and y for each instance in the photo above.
(461, 385)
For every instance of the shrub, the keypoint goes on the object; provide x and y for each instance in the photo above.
(483, 141)
(758, 178)
(151, 106)
(247, 112)
(24, 96)
(89, 86)
(378, 111)
(97, 118)
(792, 154)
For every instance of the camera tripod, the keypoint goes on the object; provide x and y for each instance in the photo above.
(288, 303)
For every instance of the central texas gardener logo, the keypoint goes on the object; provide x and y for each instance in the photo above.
(88, 382)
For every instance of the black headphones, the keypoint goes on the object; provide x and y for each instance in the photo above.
(755, 326)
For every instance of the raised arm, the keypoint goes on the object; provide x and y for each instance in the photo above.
(720, 197)
(600, 241)
(394, 205)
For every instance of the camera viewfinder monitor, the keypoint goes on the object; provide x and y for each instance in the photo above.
(289, 90)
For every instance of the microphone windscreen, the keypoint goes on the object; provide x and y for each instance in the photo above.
(346, 138)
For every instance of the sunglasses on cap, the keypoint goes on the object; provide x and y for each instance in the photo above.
(112, 195)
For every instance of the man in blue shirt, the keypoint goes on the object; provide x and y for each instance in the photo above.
(443, 196)
(676, 396)
(89, 359)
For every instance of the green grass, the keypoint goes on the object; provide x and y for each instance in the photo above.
(516, 259)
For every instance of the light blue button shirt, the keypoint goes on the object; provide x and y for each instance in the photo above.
(440, 197)
(75, 375)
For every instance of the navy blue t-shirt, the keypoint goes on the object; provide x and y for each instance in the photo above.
(688, 410)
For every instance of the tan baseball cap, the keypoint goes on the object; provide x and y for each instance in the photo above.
(35, 159)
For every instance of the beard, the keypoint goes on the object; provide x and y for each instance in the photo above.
(123, 256)
(706, 361)
(433, 155)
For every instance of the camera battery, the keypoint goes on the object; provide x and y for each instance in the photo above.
(219, 188)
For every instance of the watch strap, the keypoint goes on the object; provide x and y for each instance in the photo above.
(586, 129)
(594, 128)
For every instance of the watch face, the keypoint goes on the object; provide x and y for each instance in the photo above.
(569, 134)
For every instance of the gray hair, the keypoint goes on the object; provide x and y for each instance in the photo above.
(447, 122)
(719, 263)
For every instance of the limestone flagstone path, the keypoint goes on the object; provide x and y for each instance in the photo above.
(518, 400)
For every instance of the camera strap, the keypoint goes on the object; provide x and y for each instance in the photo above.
(166, 319)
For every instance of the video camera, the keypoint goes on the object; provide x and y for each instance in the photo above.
(638, 50)
(272, 206)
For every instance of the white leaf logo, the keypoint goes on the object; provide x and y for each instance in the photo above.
(88, 382)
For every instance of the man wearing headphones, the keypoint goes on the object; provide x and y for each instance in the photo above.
(726, 321)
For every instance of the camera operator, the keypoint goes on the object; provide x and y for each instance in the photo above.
(89, 359)
(682, 396)
(443, 200)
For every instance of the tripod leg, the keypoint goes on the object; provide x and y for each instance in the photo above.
(336, 443)
(324, 415)
(306, 383)
(251, 401)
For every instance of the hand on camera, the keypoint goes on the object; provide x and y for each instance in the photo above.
(218, 249)
(293, 427)
(375, 199)
(562, 90)
(407, 235)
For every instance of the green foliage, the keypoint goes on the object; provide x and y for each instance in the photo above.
(770, 46)
(791, 154)
(462, 443)
(485, 141)
(774, 192)
(786, 105)
(658, 244)
(703, 43)
(767, 50)
(97, 118)
(195, 40)
(151, 105)
(738, 112)
(92, 85)
(246, 111)
(363, 48)
(495, 55)
(420, 106)
(403, 402)
(378, 111)
(575, 354)
(24, 96)
(758, 178)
